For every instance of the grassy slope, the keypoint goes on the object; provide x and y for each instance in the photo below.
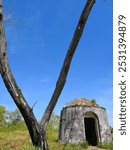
(19, 139)
(14, 139)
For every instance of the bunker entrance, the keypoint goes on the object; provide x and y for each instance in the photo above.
(90, 131)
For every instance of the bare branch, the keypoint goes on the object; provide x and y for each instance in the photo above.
(64, 71)
(34, 104)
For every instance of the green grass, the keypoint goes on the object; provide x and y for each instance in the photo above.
(29, 148)
(84, 145)
(22, 148)
(14, 139)
(18, 138)
(106, 146)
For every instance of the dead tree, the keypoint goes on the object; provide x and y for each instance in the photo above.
(38, 131)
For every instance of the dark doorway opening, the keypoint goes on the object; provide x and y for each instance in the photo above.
(90, 131)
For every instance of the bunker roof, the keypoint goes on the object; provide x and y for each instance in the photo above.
(82, 102)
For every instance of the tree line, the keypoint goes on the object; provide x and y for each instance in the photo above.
(11, 120)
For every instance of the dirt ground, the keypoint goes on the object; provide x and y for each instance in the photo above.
(95, 148)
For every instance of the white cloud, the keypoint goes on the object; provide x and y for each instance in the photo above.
(44, 81)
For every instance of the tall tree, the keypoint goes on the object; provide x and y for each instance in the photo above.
(38, 131)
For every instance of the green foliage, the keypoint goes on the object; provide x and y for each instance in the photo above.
(94, 102)
(106, 146)
(11, 120)
(2, 115)
(54, 121)
(14, 116)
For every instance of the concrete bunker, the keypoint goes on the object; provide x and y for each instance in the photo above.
(81, 120)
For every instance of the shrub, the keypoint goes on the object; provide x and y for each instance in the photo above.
(94, 102)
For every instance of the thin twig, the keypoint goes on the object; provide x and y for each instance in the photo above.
(34, 104)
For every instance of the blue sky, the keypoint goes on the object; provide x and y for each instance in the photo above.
(37, 43)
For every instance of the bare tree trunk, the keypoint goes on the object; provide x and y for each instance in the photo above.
(66, 65)
(38, 132)
(37, 137)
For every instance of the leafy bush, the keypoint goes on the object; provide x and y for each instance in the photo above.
(94, 102)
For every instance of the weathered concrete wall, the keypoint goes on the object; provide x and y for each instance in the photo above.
(72, 128)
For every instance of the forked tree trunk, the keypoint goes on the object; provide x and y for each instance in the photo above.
(38, 131)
